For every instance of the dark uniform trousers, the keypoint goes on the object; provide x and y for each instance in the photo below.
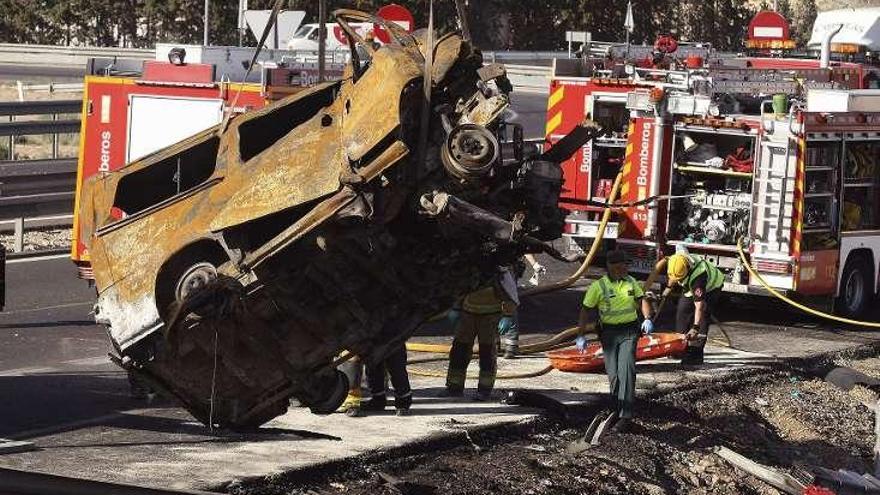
(684, 319)
(483, 328)
(395, 365)
(619, 348)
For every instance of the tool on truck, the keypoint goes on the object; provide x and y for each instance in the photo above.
(779, 152)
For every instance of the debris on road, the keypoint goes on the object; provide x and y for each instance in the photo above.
(672, 448)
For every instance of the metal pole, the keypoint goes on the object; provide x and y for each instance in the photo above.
(12, 141)
(54, 139)
(463, 19)
(207, 7)
(322, 38)
(242, 25)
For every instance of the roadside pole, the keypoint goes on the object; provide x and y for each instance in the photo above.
(207, 5)
(322, 38)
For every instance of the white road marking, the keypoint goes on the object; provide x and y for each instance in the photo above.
(40, 258)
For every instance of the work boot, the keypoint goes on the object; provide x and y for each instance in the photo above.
(376, 403)
(352, 406)
(402, 411)
(451, 392)
(509, 353)
(483, 396)
(623, 425)
(692, 357)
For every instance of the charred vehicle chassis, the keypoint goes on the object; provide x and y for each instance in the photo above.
(235, 267)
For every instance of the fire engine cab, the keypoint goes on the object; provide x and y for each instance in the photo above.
(132, 108)
(778, 154)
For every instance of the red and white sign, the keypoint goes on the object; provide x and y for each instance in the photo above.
(768, 26)
(397, 14)
(340, 35)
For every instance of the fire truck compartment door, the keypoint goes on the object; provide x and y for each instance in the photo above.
(156, 122)
(773, 194)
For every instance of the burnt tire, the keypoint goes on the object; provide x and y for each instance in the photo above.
(856, 288)
(334, 398)
(184, 275)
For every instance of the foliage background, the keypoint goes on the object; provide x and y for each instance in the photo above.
(495, 24)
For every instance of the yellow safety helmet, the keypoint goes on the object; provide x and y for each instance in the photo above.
(677, 267)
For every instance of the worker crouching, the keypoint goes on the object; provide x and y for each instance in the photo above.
(702, 282)
(483, 315)
(614, 301)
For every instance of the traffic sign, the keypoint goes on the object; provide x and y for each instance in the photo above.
(340, 35)
(397, 14)
(768, 25)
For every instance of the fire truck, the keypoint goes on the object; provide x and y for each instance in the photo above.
(779, 153)
(132, 108)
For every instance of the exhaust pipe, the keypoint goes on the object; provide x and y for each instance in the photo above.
(825, 56)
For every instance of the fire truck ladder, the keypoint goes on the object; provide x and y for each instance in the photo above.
(773, 192)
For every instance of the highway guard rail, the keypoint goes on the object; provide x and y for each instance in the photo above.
(37, 193)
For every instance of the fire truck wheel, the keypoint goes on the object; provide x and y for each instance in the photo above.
(856, 292)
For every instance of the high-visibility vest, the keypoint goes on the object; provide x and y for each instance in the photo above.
(618, 300)
(487, 301)
(714, 277)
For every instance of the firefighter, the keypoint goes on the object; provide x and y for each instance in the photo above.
(395, 366)
(701, 281)
(614, 300)
(483, 315)
(353, 369)
(510, 340)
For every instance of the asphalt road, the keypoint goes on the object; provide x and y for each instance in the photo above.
(53, 358)
(54, 368)
(530, 110)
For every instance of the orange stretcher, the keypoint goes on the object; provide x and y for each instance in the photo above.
(652, 346)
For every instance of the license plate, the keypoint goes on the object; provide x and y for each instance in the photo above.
(591, 229)
(640, 266)
(736, 288)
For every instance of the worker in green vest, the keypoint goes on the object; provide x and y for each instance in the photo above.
(702, 282)
(614, 301)
(482, 315)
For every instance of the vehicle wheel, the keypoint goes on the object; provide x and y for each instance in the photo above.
(856, 291)
(194, 278)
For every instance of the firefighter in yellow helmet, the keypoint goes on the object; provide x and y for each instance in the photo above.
(701, 282)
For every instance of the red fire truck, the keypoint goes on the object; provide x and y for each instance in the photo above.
(798, 183)
(132, 108)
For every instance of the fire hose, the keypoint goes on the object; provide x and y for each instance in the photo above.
(790, 302)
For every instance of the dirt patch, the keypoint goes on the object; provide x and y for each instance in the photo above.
(781, 419)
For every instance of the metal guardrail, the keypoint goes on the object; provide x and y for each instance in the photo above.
(37, 193)
(69, 56)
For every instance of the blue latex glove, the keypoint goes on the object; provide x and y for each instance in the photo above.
(647, 327)
(581, 343)
(505, 324)
(452, 316)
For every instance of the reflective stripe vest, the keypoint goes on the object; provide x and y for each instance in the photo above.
(714, 279)
(487, 301)
(617, 304)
